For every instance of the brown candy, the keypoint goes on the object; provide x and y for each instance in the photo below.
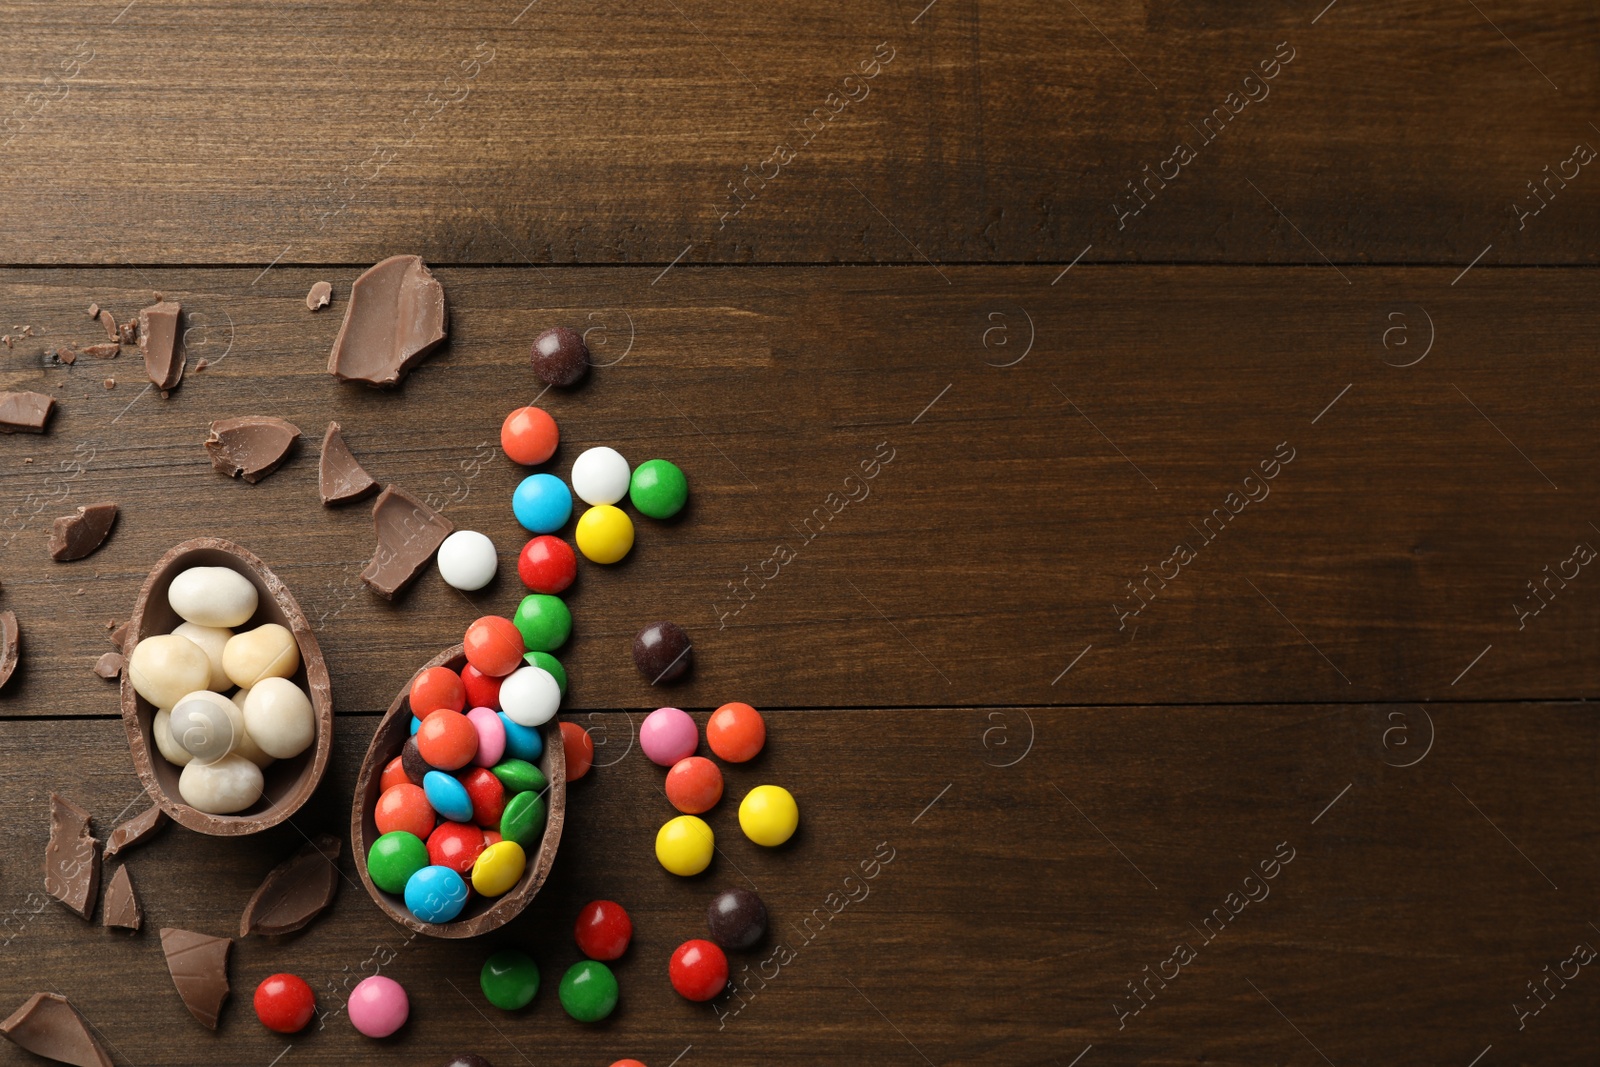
(49, 1026)
(296, 891)
(409, 533)
(121, 907)
(25, 412)
(198, 964)
(75, 536)
(662, 651)
(341, 476)
(411, 761)
(72, 858)
(251, 447)
(395, 316)
(560, 357)
(158, 341)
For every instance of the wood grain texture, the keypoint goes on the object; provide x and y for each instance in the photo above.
(509, 132)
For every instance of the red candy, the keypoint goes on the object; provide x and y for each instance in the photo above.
(627, 1063)
(604, 930)
(393, 774)
(455, 845)
(547, 565)
(487, 794)
(404, 807)
(494, 646)
(435, 688)
(483, 690)
(694, 785)
(491, 837)
(529, 436)
(736, 732)
(284, 1003)
(579, 749)
(447, 740)
(699, 970)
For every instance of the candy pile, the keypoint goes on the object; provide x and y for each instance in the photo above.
(222, 742)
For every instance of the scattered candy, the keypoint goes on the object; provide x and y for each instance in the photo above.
(524, 819)
(684, 845)
(659, 489)
(604, 534)
(467, 560)
(768, 815)
(544, 622)
(661, 651)
(405, 807)
(603, 930)
(447, 796)
(499, 867)
(213, 596)
(547, 565)
(551, 664)
(694, 785)
(736, 732)
(378, 1006)
(531, 696)
(436, 688)
(668, 735)
(560, 357)
(523, 743)
(737, 918)
(699, 970)
(455, 845)
(284, 1003)
(279, 718)
(600, 476)
(394, 858)
(509, 979)
(436, 894)
(542, 503)
(494, 646)
(491, 733)
(579, 749)
(529, 436)
(447, 740)
(589, 991)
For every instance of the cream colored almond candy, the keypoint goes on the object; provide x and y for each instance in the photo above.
(212, 640)
(268, 651)
(165, 668)
(246, 746)
(207, 725)
(279, 717)
(161, 732)
(229, 785)
(213, 596)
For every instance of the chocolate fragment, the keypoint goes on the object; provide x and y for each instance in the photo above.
(318, 297)
(158, 341)
(119, 637)
(25, 412)
(49, 1026)
(75, 536)
(251, 447)
(109, 666)
(110, 383)
(560, 357)
(409, 533)
(202, 365)
(342, 476)
(10, 643)
(294, 892)
(137, 830)
(94, 310)
(198, 964)
(109, 322)
(67, 355)
(395, 316)
(106, 350)
(128, 332)
(122, 906)
(72, 858)
(662, 651)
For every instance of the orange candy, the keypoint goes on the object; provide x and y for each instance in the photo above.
(494, 646)
(404, 807)
(393, 774)
(435, 688)
(579, 749)
(736, 732)
(529, 436)
(694, 785)
(447, 740)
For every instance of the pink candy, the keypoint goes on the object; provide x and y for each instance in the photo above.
(378, 1006)
(668, 735)
(491, 736)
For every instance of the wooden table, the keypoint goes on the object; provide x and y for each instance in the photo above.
(1176, 422)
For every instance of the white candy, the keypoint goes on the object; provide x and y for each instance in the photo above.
(212, 640)
(165, 668)
(530, 696)
(213, 596)
(247, 746)
(229, 785)
(207, 725)
(161, 730)
(467, 560)
(600, 476)
(278, 715)
(268, 651)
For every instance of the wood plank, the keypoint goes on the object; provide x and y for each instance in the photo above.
(1041, 860)
(228, 132)
(1388, 560)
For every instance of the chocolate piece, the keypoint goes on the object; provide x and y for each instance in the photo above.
(137, 830)
(122, 906)
(560, 357)
(158, 341)
(318, 297)
(110, 665)
(662, 651)
(395, 316)
(198, 964)
(94, 310)
(128, 332)
(109, 322)
(411, 761)
(67, 355)
(110, 383)
(25, 412)
(119, 637)
(105, 350)
(72, 858)
(10, 645)
(737, 919)
(251, 447)
(49, 1026)
(75, 536)
(409, 533)
(342, 476)
(201, 365)
(296, 891)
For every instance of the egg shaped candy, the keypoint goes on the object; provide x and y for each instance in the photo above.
(279, 717)
(213, 596)
(229, 785)
(166, 668)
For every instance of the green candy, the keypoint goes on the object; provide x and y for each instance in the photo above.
(509, 979)
(523, 820)
(544, 622)
(394, 858)
(520, 776)
(658, 489)
(551, 664)
(589, 991)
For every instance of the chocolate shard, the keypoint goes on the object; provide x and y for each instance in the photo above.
(109, 666)
(318, 297)
(342, 476)
(75, 536)
(409, 533)
(119, 637)
(395, 316)
(122, 906)
(104, 350)
(109, 322)
(294, 892)
(72, 858)
(198, 964)
(25, 412)
(49, 1026)
(128, 332)
(67, 355)
(94, 310)
(10, 645)
(137, 830)
(251, 447)
(158, 341)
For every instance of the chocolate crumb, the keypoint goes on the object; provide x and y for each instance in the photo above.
(109, 666)
(109, 321)
(128, 332)
(67, 355)
(110, 383)
(251, 447)
(202, 365)
(72, 858)
(318, 297)
(119, 636)
(105, 350)
(94, 310)
(76, 536)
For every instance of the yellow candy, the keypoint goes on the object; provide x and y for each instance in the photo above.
(768, 815)
(605, 533)
(684, 845)
(498, 868)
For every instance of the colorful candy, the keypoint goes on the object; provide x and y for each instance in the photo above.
(547, 565)
(600, 476)
(447, 740)
(604, 534)
(659, 489)
(529, 436)
(668, 735)
(487, 794)
(509, 979)
(455, 845)
(446, 795)
(543, 621)
(394, 858)
(491, 736)
(520, 776)
(499, 867)
(523, 743)
(737, 918)
(542, 503)
(378, 1006)
(603, 930)
(493, 645)
(694, 785)
(578, 747)
(467, 560)
(406, 807)
(546, 661)
(698, 970)
(284, 1003)
(662, 651)
(589, 991)
(437, 894)
(736, 732)
(483, 690)
(530, 696)
(436, 688)
(768, 815)
(684, 845)
(524, 819)
(560, 356)
(394, 773)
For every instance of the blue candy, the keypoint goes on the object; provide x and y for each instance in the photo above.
(522, 742)
(436, 894)
(542, 503)
(416, 724)
(448, 796)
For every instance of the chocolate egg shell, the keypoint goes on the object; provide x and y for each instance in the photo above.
(289, 783)
(482, 914)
